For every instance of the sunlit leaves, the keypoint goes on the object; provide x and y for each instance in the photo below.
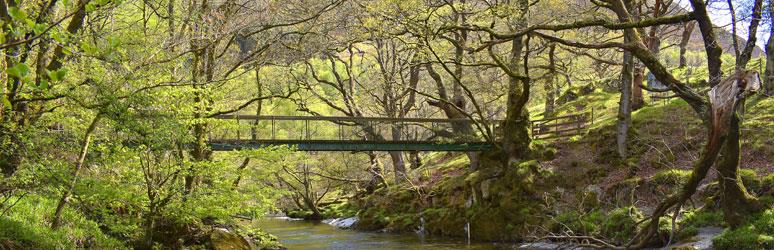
(57, 75)
(17, 14)
(19, 70)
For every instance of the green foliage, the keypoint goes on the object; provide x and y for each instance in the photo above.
(617, 225)
(672, 177)
(702, 218)
(27, 226)
(621, 223)
(758, 233)
(581, 224)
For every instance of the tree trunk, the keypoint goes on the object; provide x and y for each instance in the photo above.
(550, 85)
(637, 99)
(150, 220)
(253, 129)
(399, 165)
(241, 168)
(55, 221)
(624, 104)
(416, 161)
(746, 53)
(376, 174)
(768, 77)
(459, 128)
(516, 137)
(686, 37)
(736, 202)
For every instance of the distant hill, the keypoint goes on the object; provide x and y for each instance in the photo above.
(724, 37)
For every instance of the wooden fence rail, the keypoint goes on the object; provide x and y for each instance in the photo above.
(562, 126)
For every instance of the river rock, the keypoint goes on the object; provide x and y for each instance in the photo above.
(341, 222)
(549, 245)
(223, 239)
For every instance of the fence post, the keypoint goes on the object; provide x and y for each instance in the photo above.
(273, 137)
(239, 130)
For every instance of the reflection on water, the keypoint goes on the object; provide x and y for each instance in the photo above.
(297, 234)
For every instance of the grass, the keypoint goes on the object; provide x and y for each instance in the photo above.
(27, 226)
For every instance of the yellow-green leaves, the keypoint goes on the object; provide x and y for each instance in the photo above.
(20, 70)
(57, 75)
(17, 14)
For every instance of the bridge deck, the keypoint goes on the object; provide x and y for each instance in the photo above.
(336, 133)
(350, 145)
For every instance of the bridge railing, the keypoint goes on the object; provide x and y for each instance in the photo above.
(315, 128)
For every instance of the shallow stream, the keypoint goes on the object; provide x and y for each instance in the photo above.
(300, 234)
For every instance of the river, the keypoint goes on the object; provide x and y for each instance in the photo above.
(299, 234)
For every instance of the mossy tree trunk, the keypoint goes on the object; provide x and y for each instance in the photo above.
(516, 127)
(735, 201)
(550, 86)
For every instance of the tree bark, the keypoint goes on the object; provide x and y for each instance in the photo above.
(416, 161)
(550, 85)
(637, 97)
(746, 53)
(399, 165)
(376, 174)
(686, 37)
(624, 104)
(516, 137)
(768, 77)
(736, 202)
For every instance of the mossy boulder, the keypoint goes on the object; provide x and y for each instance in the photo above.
(621, 224)
(223, 239)
(758, 233)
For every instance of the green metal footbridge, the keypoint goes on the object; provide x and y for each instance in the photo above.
(316, 133)
(341, 133)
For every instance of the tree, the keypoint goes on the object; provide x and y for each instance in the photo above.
(28, 94)
(768, 78)
(714, 113)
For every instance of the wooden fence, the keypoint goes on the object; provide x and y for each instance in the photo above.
(562, 126)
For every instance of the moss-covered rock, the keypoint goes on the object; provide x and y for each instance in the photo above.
(758, 233)
(223, 239)
(620, 224)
